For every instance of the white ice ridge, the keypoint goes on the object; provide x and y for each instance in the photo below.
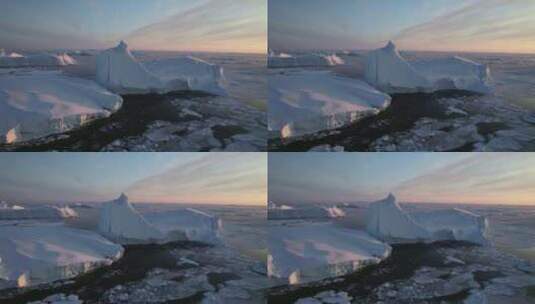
(15, 60)
(39, 103)
(32, 254)
(283, 60)
(121, 222)
(387, 220)
(280, 212)
(118, 70)
(303, 102)
(18, 213)
(314, 251)
(388, 70)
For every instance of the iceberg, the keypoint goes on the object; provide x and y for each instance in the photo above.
(304, 102)
(40, 103)
(197, 74)
(119, 71)
(15, 60)
(17, 213)
(386, 220)
(5, 206)
(121, 222)
(388, 70)
(314, 251)
(307, 60)
(42, 253)
(284, 212)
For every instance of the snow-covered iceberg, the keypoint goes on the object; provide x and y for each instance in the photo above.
(198, 74)
(121, 222)
(120, 71)
(39, 103)
(42, 253)
(15, 60)
(388, 70)
(18, 213)
(284, 212)
(387, 220)
(303, 102)
(6, 206)
(305, 60)
(187, 224)
(315, 251)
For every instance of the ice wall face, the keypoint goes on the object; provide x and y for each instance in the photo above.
(388, 221)
(388, 70)
(40, 253)
(120, 221)
(304, 102)
(39, 103)
(312, 251)
(119, 71)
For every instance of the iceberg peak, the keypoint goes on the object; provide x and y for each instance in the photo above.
(390, 46)
(122, 46)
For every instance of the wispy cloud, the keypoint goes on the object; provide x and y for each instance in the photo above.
(486, 25)
(219, 25)
(232, 178)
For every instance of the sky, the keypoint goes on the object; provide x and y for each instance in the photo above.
(440, 25)
(170, 25)
(478, 178)
(203, 178)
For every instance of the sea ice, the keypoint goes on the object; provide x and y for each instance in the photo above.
(313, 251)
(303, 102)
(39, 103)
(17, 213)
(15, 60)
(280, 212)
(305, 60)
(41, 253)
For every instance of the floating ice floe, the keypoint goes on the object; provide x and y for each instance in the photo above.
(120, 221)
(283, 60)
(284, 212)
(387, 220)
(303, 102)
(15, 60)
(118, 70)
(33, 254)
(314, 251)
(39, 103)
(388, 70)
(18, 213)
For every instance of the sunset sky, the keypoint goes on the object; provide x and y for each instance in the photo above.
(180, 25)
(486, 178)
(438, 25)
(213, 178)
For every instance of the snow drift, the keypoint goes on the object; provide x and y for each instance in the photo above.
(40, 253)
(315, 251)
(387, 220)
(306, 60)
(121, 222)
(388, 70)
(304, 102)
(40, 103)
(118, 70)
(36, 213)
(14, 60)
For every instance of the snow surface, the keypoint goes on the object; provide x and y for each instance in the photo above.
(387, 220)
(303, 102)
(18, 213)
(196, 73)
(42, 253)
(39, 103)
(120, 221)
(14, 60)
(306, 60)
(314, 251)
(388, 70)
(118, 70)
